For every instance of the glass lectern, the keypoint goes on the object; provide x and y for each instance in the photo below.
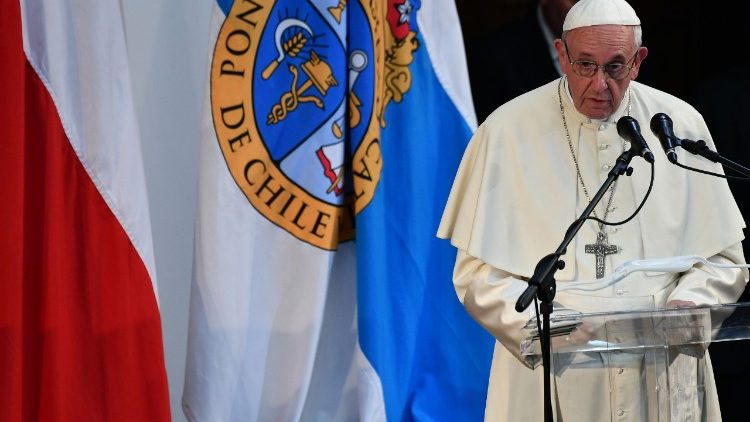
(646, 365)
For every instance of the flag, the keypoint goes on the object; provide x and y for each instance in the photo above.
(80, 332)
(432, 360)
(322, 116)
(272, 330)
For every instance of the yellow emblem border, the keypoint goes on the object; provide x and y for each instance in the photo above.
(267, 188)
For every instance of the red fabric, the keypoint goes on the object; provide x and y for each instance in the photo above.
(80, 333)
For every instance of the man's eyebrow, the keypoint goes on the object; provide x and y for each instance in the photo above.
(590, 57)
(619, 58)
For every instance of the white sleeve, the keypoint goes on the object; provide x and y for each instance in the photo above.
(710, 285)
(489, 295)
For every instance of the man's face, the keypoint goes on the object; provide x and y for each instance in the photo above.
(598, 96)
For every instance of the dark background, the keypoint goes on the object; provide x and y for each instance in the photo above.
(698, 51)
(690, 42)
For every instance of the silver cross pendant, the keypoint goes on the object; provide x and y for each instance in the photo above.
(601, 249)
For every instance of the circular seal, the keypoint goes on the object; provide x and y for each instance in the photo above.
(298, 94)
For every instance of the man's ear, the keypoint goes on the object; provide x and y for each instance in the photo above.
(640, 57)
(561, 56)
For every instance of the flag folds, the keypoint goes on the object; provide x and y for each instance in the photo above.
(80, 333)
(272, 331)
(431, 358)
(322, 116)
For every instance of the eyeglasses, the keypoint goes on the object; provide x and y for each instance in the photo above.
(587, 69)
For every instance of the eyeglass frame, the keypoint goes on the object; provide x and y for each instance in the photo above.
(598, 66)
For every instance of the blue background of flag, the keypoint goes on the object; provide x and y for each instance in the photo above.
(432, 358)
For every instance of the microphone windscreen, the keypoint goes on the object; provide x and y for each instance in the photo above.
(661, 127)
(628, 128)
(661, 124)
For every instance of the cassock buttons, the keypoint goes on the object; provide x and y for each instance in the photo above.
(603, 146)
(620, 370)
(620, 412)
(606, 167)
(602, 128)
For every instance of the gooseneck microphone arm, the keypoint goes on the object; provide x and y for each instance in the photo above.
(699, 147)
(662, 127)
(542, 282)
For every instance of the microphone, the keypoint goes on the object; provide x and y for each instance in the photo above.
(661, 126)
(628, 129)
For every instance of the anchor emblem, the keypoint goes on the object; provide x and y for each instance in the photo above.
(357, 63)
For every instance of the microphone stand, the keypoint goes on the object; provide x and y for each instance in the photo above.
(542, 283)
(700, 148)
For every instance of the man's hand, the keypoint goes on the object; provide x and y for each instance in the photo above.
(679, 304)
(690, 331)
(581, 335)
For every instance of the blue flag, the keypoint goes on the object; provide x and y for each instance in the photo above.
(432, 359)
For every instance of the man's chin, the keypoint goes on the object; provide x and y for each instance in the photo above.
(598, 112)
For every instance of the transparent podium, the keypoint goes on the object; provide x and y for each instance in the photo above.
(646, 365)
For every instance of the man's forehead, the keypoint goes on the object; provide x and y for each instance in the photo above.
(608, 39)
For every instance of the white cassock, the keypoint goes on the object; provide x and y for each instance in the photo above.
(517, 191)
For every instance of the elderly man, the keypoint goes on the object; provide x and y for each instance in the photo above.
(530, 170)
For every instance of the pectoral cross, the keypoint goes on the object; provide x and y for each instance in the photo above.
(601, 249)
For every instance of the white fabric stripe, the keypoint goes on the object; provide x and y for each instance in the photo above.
(371, 400)
(272, 319)
(441, 31)
(79, 53)
(257, 310)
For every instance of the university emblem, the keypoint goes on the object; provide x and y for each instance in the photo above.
(299, 93)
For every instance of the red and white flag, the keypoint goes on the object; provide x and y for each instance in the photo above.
(80, 331)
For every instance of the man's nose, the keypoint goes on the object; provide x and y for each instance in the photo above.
(600, 79)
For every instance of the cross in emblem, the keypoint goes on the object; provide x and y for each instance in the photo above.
(601, 249)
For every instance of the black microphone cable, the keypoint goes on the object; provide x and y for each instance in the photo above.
(710, 173)
(632, 216)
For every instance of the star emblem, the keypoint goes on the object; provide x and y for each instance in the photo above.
(404, 9)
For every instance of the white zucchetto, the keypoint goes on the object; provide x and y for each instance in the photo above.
(600, 12)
